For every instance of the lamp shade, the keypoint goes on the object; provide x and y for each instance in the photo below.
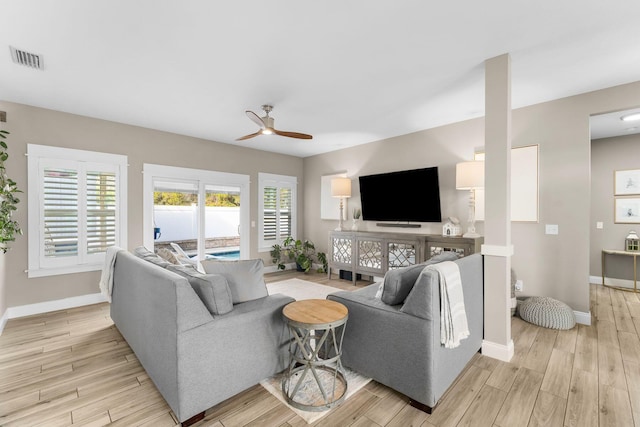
(341, 187)
(470, 175)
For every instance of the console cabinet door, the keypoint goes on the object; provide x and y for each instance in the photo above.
(370, 256)
(461, 246)
(341, 248)
(402, 253)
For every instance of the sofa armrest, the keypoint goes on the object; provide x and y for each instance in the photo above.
(380, 340)
(232, 353)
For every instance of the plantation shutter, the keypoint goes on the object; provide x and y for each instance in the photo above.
(284, 213)
(101, 211)
(277, 204)
(60, 198)
(269, 214)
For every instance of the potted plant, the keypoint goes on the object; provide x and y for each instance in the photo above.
(302, 252)
(356, 216)
(8, 201)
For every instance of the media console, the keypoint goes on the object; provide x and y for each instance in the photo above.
(374, 253)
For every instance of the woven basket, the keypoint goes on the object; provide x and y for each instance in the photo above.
(547, 312)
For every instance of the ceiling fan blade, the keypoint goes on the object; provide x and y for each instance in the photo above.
(242, 138)
(292, 134)
(255, 118)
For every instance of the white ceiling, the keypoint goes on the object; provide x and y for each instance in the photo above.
(348, 72)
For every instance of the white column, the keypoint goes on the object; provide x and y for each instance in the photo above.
(497, 249)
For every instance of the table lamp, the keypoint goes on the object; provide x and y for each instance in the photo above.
(470, 176)
(341, 188)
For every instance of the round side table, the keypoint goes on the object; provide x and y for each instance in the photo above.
(315, 378)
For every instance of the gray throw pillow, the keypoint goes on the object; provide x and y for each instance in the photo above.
(212, 289)
(245, 277)
(398, 283)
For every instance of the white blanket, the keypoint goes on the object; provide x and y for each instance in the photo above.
(453, 317)
(106, 279)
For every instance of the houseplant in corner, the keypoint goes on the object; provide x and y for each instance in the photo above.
(302, 252)
(8, 201)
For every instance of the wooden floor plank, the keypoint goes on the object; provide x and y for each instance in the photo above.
(519, 404)
(548, 410)
(557, 377)
(615, 408)
(582, 405)
(586, 357)
(566, 340)
(610, 369)
(484, 408)
(632, 372)
(452, 408)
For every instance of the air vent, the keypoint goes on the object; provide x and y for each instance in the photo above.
(25, 58)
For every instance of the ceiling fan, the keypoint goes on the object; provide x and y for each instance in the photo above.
(266, 126)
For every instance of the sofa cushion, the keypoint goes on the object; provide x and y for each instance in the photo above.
(245, 277)
(147, 255)
(398, 283)
(212, 289)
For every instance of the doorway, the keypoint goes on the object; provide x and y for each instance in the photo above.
(203, 214)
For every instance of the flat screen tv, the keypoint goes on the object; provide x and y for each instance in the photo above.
(410, 195)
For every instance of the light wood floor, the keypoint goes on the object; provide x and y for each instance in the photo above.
(72, 367)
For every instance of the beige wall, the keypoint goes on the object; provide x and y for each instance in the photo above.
(607, 156)
(556, 266)
(39, 126)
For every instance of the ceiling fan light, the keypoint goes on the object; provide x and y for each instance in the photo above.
(267, 131)
(630, 117)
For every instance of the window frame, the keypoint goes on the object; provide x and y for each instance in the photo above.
(278, 181)
(202, 178)
(41, 156)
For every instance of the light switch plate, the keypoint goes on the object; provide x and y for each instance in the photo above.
(599, 225)
(551, 228)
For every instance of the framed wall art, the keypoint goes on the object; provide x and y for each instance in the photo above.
(330, 206)
(627, 182)
(627, 210)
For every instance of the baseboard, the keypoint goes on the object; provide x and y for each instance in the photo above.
(3, 320)
(60, 304)
(498, 351)
(274, 268)
(582, 317)
(611, 281)
(596, 280)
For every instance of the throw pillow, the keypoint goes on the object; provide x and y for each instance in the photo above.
(245, 277)
(212, 289)
(398, 283)
(147, 255)
(167, 255)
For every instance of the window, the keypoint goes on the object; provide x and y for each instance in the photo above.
(277, 208)
(77, 208)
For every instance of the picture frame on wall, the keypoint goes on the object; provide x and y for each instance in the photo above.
(627, 182)
(627, 210)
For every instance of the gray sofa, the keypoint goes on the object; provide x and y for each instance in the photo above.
(195, 358)
(399, 345)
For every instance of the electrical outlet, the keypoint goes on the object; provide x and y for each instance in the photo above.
(519, 285)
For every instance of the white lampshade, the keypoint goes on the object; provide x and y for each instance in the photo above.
(341, 187)
(470, 175)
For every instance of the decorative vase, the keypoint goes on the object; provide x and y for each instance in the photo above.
(354, 225)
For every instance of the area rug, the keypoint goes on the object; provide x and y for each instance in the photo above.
(299, 289)
(273, 385)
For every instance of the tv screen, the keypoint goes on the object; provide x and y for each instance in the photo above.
(411, 195)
